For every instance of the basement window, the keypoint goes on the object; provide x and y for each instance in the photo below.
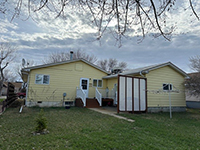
(167, 86)
(97, 83)
(41, 79)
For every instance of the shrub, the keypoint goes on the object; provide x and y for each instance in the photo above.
(41, 122)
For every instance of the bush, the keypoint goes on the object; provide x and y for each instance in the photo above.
(41, 122)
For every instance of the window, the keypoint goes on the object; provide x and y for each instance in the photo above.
(41, 79)
(97, 83)
(167, 86)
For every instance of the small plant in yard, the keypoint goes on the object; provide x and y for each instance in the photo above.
(41, 123)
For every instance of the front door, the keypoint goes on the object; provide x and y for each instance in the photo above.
(84, 84)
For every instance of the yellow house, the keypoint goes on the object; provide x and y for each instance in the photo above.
(62, 83)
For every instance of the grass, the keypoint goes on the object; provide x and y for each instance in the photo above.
(1, 100)
(78, 128)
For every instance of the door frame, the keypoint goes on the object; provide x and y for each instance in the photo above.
(86, 91)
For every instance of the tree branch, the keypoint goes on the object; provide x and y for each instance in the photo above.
(157, 21)
(193, 9)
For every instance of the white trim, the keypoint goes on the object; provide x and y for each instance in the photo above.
(27, 88)
(97, 83)
(87, 91)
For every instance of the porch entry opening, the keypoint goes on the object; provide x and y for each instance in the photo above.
(132, 94)
(84, 85)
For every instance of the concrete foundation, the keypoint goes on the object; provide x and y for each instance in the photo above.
(44, 104)
(193, 104)
(166, 109)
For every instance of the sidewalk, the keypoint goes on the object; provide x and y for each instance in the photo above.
(111, 112)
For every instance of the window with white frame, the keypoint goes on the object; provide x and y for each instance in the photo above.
(97, 83)
(41, 79)
(167, 86)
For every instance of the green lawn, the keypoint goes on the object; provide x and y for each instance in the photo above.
(1, 100)
(81, 128)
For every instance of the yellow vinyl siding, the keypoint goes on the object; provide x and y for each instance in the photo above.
(111, 83)
(63, 79)
(155, 80)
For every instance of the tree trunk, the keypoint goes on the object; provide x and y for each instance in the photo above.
(1, 87)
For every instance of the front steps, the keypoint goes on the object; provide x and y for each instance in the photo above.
(90, 103)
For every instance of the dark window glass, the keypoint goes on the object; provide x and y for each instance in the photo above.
(167, 86)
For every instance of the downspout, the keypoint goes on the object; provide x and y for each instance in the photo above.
(142, 74)
(27, 88)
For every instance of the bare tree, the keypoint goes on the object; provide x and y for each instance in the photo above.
(109, 64)
(193, 84)
(7, 55)
(63, 56)
(103, 64)
(133, 16)
(10, 76)
(195, 63)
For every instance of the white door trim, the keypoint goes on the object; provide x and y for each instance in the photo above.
(86, 88)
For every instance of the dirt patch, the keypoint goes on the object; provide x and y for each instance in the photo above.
(17, 103)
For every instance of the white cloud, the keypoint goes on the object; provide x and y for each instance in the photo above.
(35, 39)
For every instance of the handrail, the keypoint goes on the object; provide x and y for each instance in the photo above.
(98, 96)
(81, 94)
(107, 93)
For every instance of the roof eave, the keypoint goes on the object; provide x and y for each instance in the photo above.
(64, 62)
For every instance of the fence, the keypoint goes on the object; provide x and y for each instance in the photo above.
(132, 96)
(11, 96)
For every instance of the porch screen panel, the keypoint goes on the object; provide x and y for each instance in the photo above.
(122, 94)
(136, 94)
(129, 94)
(142, 95)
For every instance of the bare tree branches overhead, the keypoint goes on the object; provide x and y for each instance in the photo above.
(137, 17)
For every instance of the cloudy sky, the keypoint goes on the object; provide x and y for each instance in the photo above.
(36, 38)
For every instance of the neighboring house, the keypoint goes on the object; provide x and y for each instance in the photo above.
(17, 85)
(4, 90)
(52, 84)
(192, 101)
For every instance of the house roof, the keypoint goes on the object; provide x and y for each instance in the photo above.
(16, 84)
(145, 70)
(61, 63)
(193, 73)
